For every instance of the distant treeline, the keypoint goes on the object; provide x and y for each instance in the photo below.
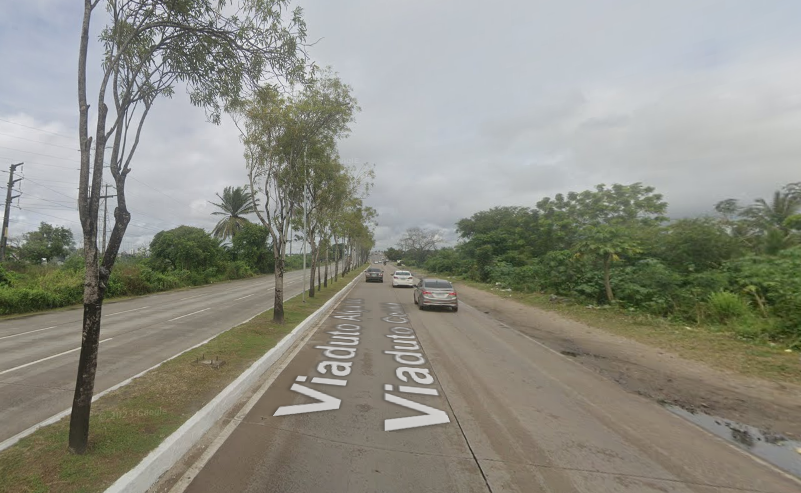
(740, 269)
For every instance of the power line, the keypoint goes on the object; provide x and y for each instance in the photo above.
(155, 189)
(39, 142)
(40, 154)
(34, 128)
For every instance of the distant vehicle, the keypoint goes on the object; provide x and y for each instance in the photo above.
(435, 292)
(402, 278)
(374, 274)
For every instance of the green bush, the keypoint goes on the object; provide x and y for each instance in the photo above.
(238, 270)
(648, 284)
(21, 300)
(6, 278)
(725, 306)
(775, 282)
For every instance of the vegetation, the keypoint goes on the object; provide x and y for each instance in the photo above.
(132, 421)
(290, 150)
(235, 204)
(736, 273)
(45, 244)
(181, 257)
(220, 52)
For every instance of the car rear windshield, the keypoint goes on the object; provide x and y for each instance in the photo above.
(403, 273)
(439, 284)
(373, 269)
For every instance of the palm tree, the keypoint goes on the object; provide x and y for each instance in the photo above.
(773, 218)
(774, 214)
(235, 203)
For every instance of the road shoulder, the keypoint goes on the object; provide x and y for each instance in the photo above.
(651, 372)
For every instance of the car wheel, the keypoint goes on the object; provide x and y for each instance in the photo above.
(415, 299)
(420, 305)
(455, 309)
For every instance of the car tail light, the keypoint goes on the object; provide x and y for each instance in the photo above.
(451, 294)
(427, 292)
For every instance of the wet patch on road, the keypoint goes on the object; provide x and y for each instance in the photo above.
(771, 447)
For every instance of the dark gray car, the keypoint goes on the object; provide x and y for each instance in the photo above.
(435, 292)
(374, 274)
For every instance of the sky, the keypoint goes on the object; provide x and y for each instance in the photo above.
(465, 106)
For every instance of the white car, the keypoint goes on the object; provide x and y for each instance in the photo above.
(402, 278)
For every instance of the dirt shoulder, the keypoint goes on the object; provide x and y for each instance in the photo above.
(650, 371)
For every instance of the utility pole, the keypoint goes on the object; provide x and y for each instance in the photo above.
(9, 198)
(304, 225)
(105, 216)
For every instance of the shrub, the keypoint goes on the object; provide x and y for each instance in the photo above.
(725, 306)
(5, 277)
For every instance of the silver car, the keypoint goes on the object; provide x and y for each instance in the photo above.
(435, 292)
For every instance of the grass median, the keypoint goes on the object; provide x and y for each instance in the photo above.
(712, 345)
(129, 423)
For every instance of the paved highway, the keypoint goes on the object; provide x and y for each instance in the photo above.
(385, 398)
(39, 354)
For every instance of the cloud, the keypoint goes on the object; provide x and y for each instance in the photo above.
(465, 106)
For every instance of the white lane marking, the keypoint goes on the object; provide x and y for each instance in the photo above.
(193, 313)
(29, 332)
(127, 311)
(242, 298)
(49, 357)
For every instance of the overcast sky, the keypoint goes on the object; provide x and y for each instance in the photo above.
(465, 105)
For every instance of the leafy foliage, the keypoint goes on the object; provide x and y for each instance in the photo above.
(48, 242)
(251, 248)
(235, 203)
(185, 248)
(740, 269)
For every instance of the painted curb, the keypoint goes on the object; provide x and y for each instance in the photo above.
(161, 460)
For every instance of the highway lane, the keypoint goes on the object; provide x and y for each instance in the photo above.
(39, 354)
(499, 413)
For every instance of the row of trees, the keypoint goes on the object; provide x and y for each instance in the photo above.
(245, 58)
(615, 245)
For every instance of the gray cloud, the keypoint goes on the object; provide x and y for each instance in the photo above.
(464, 107)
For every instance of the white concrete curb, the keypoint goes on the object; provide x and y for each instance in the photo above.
(160, 460)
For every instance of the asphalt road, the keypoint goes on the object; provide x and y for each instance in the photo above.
(486, 409)
(39, 354)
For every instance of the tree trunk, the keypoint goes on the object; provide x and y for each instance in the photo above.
(87, 362)
(311, 268)
(319, 280)
(336, 259)
(278, 303)
(607, 283)
(327, 261)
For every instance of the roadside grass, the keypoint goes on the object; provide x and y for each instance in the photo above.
(116, 299)
(716, 346)
(129, 423)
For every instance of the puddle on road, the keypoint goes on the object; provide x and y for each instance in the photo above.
(773, 448)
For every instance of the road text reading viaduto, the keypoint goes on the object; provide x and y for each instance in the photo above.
(407, 353)
(340, 349)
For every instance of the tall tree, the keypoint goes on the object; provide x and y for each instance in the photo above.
(148, 48)
(235, 203)
(419, 242)
(766, 226)
(47, 242)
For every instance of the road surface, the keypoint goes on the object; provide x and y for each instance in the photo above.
(385, 398)
(39, 360)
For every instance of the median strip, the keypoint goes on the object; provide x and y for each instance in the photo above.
(131, 422)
